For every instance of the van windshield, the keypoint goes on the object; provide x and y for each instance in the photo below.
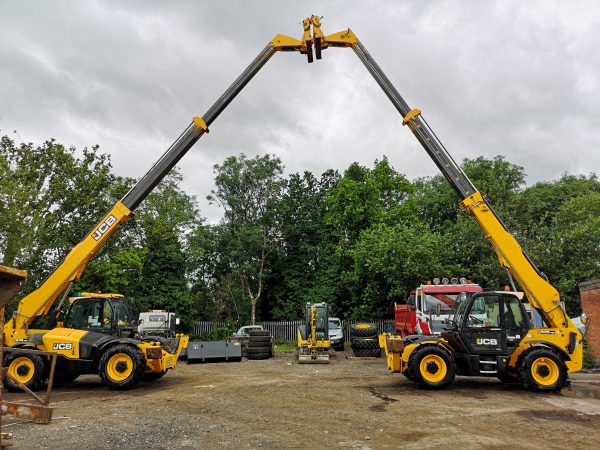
(334, 324)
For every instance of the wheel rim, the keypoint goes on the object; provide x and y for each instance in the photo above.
(433, 368)
(22, 369)
(119, 367)
(545, 371)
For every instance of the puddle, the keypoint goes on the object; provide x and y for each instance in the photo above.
(577, 390)
(381, 396)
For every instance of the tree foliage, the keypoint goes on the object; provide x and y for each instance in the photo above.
(358, 241)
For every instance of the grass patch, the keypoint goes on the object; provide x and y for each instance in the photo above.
(283, 346)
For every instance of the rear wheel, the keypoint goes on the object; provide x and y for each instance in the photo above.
(431, 368)
(26, 368)
(122, 367)
(542, 370)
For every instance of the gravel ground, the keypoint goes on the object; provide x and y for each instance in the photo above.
(278, 403)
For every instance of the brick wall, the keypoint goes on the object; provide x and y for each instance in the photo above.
(590, 302)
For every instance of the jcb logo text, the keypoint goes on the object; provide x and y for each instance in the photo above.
(104, 226)
(61, 346)
(485, 341)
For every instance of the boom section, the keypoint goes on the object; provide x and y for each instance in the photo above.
(541, 294)
(40, 301)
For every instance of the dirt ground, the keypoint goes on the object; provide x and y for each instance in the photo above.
(280, 404)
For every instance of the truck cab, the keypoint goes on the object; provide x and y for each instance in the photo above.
(430, 306)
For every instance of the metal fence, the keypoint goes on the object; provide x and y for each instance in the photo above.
(288, 329)
(206, 327)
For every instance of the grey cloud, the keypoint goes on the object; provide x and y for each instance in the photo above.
(506, 77)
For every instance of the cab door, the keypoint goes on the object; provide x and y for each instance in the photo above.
(516, 322)
(482, 329)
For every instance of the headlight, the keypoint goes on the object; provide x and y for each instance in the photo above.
(584, 318)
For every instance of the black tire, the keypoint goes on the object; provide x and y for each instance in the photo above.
(122, 366)
(364, 343)
(28, 368)
(367, 352)
(542, 370)
(256, 339)
(431, 368)
(153, 376)
(256, 350)
(367, 330)
(508, 378)
(255, 333)
(264, 355)
(64, 378)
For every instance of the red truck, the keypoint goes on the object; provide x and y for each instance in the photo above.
(430, 306)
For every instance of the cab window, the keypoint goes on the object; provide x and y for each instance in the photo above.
(484, 312)
(513, 314)
(89, 314)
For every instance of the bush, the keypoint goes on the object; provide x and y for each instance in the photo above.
(217, 334)
(589, 362)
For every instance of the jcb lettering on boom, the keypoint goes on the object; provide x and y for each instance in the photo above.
(104, 227)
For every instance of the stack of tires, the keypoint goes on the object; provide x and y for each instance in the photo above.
(363, 337)
(260, 345)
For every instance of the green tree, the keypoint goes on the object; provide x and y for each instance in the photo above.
(249, 191)
(389, 261)
(296, 277)
(574, 250)
(49, 199)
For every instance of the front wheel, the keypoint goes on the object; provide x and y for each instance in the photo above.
(431, 368)
(122, 367)
(542, 370)
(26, 368)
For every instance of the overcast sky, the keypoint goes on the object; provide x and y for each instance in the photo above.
(513, 78)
